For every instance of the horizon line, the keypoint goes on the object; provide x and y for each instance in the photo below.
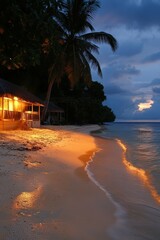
(137, 120)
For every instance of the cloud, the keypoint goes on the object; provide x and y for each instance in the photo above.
(117, 70)
(127, 100)
(156, 90)
(145, 105)
(155, 81)
(114, 89)
(128, 73)
(129, 48)
(121, 105)
(136, 14)
(150, 113)
(152, 58)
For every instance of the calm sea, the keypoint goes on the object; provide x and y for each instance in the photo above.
(137, 200)
(142, 140)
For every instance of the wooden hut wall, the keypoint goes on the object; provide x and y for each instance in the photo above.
(14, 112)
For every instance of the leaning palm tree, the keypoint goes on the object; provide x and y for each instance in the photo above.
(77, 44)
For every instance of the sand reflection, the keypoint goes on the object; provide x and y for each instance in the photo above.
(27, 200)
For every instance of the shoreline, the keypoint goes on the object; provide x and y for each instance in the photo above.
(137, 211)
(46, 191)
(66, 183)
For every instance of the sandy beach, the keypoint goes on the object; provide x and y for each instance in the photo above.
(64, 183)
(45, 191)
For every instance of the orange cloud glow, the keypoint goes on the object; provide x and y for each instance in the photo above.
(146, 105)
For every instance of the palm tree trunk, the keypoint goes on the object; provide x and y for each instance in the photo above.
(48, 95)
(74, 64)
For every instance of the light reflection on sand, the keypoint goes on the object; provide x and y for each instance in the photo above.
(26, 200)
(30, 164)
(140, 172)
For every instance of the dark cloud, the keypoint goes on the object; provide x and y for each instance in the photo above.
(114, 89)
(126, 76)
(117, 70)
(156, 90)
(143, 85)
(124, 108)
(152, 58)
(132, 13)
(129, 48)
(121, 105)
(155, 82)
(143, 88)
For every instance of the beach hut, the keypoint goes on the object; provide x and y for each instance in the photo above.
(18, 107)
(55, 114)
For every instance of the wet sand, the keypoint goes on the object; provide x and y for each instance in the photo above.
(137, 208)
(45, 191)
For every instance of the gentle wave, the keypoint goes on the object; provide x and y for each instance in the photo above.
(140, 172)
(120, 212)
(120, 229)
(135, 183)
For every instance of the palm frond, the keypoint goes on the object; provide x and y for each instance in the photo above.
(94, 62)
(82, 45)
(62, 23)
(101, 37)
(90, 7)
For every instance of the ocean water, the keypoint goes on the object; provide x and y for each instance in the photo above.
(132, 182)
(142, 141)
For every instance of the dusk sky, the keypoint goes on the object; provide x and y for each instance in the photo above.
(131, 75)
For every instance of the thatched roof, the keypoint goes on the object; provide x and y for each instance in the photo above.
(13, 89)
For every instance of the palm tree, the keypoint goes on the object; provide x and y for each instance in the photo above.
(77, 44)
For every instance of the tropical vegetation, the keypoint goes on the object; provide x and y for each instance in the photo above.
(49, 41)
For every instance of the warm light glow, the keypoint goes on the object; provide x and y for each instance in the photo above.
(146, 105)
(140, 172)
(15, 98)
(10, 105)
(18, 104)
(28, 111)
(32, 164)
(26, 200)
(0, 103)
(7, 98)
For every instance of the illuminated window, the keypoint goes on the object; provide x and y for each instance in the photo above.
(0, 107)
(0, 103)
(8, 104)
(17, 105)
